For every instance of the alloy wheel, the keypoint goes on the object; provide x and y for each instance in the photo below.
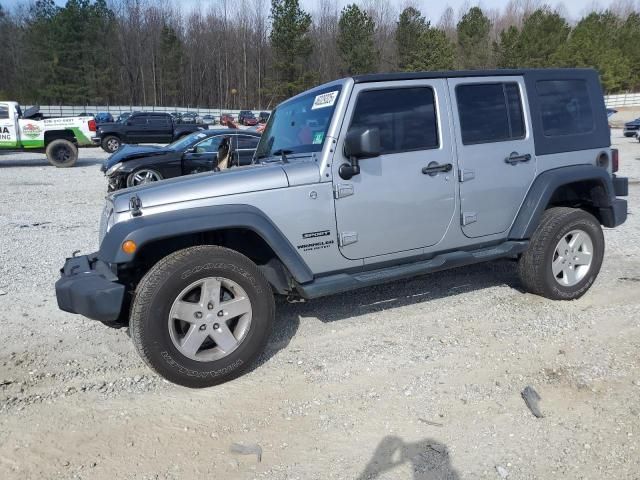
(572, 258)
(209, 319)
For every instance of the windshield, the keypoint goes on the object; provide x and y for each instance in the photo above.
(186, 142)
(299, 126)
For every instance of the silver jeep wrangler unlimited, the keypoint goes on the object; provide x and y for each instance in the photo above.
(364, 180)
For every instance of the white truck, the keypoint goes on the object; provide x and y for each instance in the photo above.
(58, 138)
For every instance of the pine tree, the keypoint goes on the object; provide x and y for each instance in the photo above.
(594, 42)
(291, 46)
(171, 52)
(410, 27)
(474, 50)
(537, 45)
(355, 41)
(629, 43)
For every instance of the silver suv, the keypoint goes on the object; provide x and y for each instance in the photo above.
(364, 180)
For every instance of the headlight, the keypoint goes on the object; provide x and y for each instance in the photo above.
(114, 169)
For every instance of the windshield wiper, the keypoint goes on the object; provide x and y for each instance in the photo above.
(283, 154)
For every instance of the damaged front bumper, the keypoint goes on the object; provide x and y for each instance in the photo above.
(88, 287)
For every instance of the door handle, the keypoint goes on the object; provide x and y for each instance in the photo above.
(515, 157)
(434, 168)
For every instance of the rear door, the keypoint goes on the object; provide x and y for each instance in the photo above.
(137, 129)
(8, 133)
(159, 129)
(496, 152)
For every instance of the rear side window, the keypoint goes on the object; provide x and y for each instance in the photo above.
(248, 143)
(4, 112)
(139, 120)
(565, 106)
(159, 120)
(406, 118)
(490, 112)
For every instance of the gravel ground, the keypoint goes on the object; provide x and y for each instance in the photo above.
(413, 380)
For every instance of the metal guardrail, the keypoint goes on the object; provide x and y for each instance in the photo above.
(622, 100)
(115, 110)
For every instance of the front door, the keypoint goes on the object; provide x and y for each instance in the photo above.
(203, 156)
(8, 134)
(394, 205)
(495, 151)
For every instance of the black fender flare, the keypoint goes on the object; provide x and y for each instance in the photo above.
(546, 184)
(145, 229)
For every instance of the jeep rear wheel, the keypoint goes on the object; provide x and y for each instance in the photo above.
(110, 143)
(201, 316)
(564, 256)
(62, 153)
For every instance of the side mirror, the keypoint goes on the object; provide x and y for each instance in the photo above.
(190, 150)
(360, 143)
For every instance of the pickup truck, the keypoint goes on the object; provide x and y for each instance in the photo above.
(142, 127)
(58, 138)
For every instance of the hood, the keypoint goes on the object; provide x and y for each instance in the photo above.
(633, 123)
(253, 178)
(131, 152)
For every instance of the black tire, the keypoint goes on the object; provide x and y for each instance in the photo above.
(62, 153)
(535, 265)
(111, 143)
(163, 284)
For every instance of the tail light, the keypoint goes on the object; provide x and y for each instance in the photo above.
(614, 160)
(92, 125)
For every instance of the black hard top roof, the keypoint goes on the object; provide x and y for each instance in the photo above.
(538, 72)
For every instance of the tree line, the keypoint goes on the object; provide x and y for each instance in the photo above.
(255, 53)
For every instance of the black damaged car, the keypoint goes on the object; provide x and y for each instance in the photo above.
(135, 165)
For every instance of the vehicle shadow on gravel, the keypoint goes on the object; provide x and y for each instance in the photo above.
(428, 458)
(382, 297)
(401, 293)
(39, 162)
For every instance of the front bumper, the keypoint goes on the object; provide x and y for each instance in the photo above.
(88, 287)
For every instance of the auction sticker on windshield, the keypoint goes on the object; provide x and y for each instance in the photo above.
(325, 100)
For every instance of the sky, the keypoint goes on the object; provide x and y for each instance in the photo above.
(430, 8)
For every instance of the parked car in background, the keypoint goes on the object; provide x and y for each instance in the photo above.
(103, 117)
(209, 119)
(226, 118)
(263, 117)
(631, 128)
(134, 165)
(141, 127)
(247, 118)
(191, 117)
(177, 117)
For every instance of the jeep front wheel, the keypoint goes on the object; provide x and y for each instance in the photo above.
(564, 256)
(201, 316)
(62, 153)
(110, 143)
